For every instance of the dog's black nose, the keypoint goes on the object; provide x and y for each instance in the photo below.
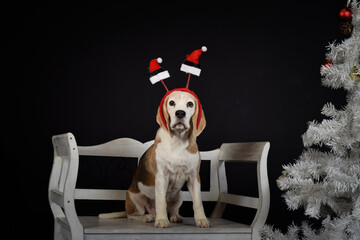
(180, 113)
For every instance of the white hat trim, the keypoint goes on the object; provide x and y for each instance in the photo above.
(160, 76)
(190, 69)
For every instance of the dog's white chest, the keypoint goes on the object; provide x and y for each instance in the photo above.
(172, 157)
(174, 161)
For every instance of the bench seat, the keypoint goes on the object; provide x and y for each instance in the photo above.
(93, 224)
(123, 228)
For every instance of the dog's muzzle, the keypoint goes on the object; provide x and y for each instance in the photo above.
(179, 124)
(180, 114)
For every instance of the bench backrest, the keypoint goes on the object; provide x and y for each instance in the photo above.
(63, 178)
(130, 148)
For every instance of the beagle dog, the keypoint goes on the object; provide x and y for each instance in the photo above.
(172, 160)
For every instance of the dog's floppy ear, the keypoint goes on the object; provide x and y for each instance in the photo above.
(162, 116)
(198, 122)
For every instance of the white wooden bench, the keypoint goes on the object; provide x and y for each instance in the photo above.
(63, 193)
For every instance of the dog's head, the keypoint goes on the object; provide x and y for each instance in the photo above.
(179, 111)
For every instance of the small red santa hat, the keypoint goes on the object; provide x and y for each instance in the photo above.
(191, 63)
(157, 73)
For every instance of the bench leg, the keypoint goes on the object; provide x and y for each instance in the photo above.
(57, 232)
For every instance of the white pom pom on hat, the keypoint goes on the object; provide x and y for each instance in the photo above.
(159, 60)
(204, 48)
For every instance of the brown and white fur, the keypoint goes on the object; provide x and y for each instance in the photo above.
(171, 161)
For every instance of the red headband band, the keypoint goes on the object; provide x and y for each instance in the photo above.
(182, 90)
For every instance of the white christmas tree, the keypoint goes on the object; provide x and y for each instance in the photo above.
(325, 180)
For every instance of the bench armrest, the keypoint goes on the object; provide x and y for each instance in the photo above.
(256, 152)
(62, 183)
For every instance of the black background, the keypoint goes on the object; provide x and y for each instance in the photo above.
(82, 68)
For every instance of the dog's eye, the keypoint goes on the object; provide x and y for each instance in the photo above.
(190, 104)
(172, 103)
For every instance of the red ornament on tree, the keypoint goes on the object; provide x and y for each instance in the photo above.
(345, 14)
(327, 64)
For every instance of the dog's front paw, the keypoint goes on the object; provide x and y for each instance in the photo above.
(162, 223)
(203, 223)
(148, 218)
(176, 218)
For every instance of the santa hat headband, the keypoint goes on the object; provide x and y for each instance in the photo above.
(190, 65)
